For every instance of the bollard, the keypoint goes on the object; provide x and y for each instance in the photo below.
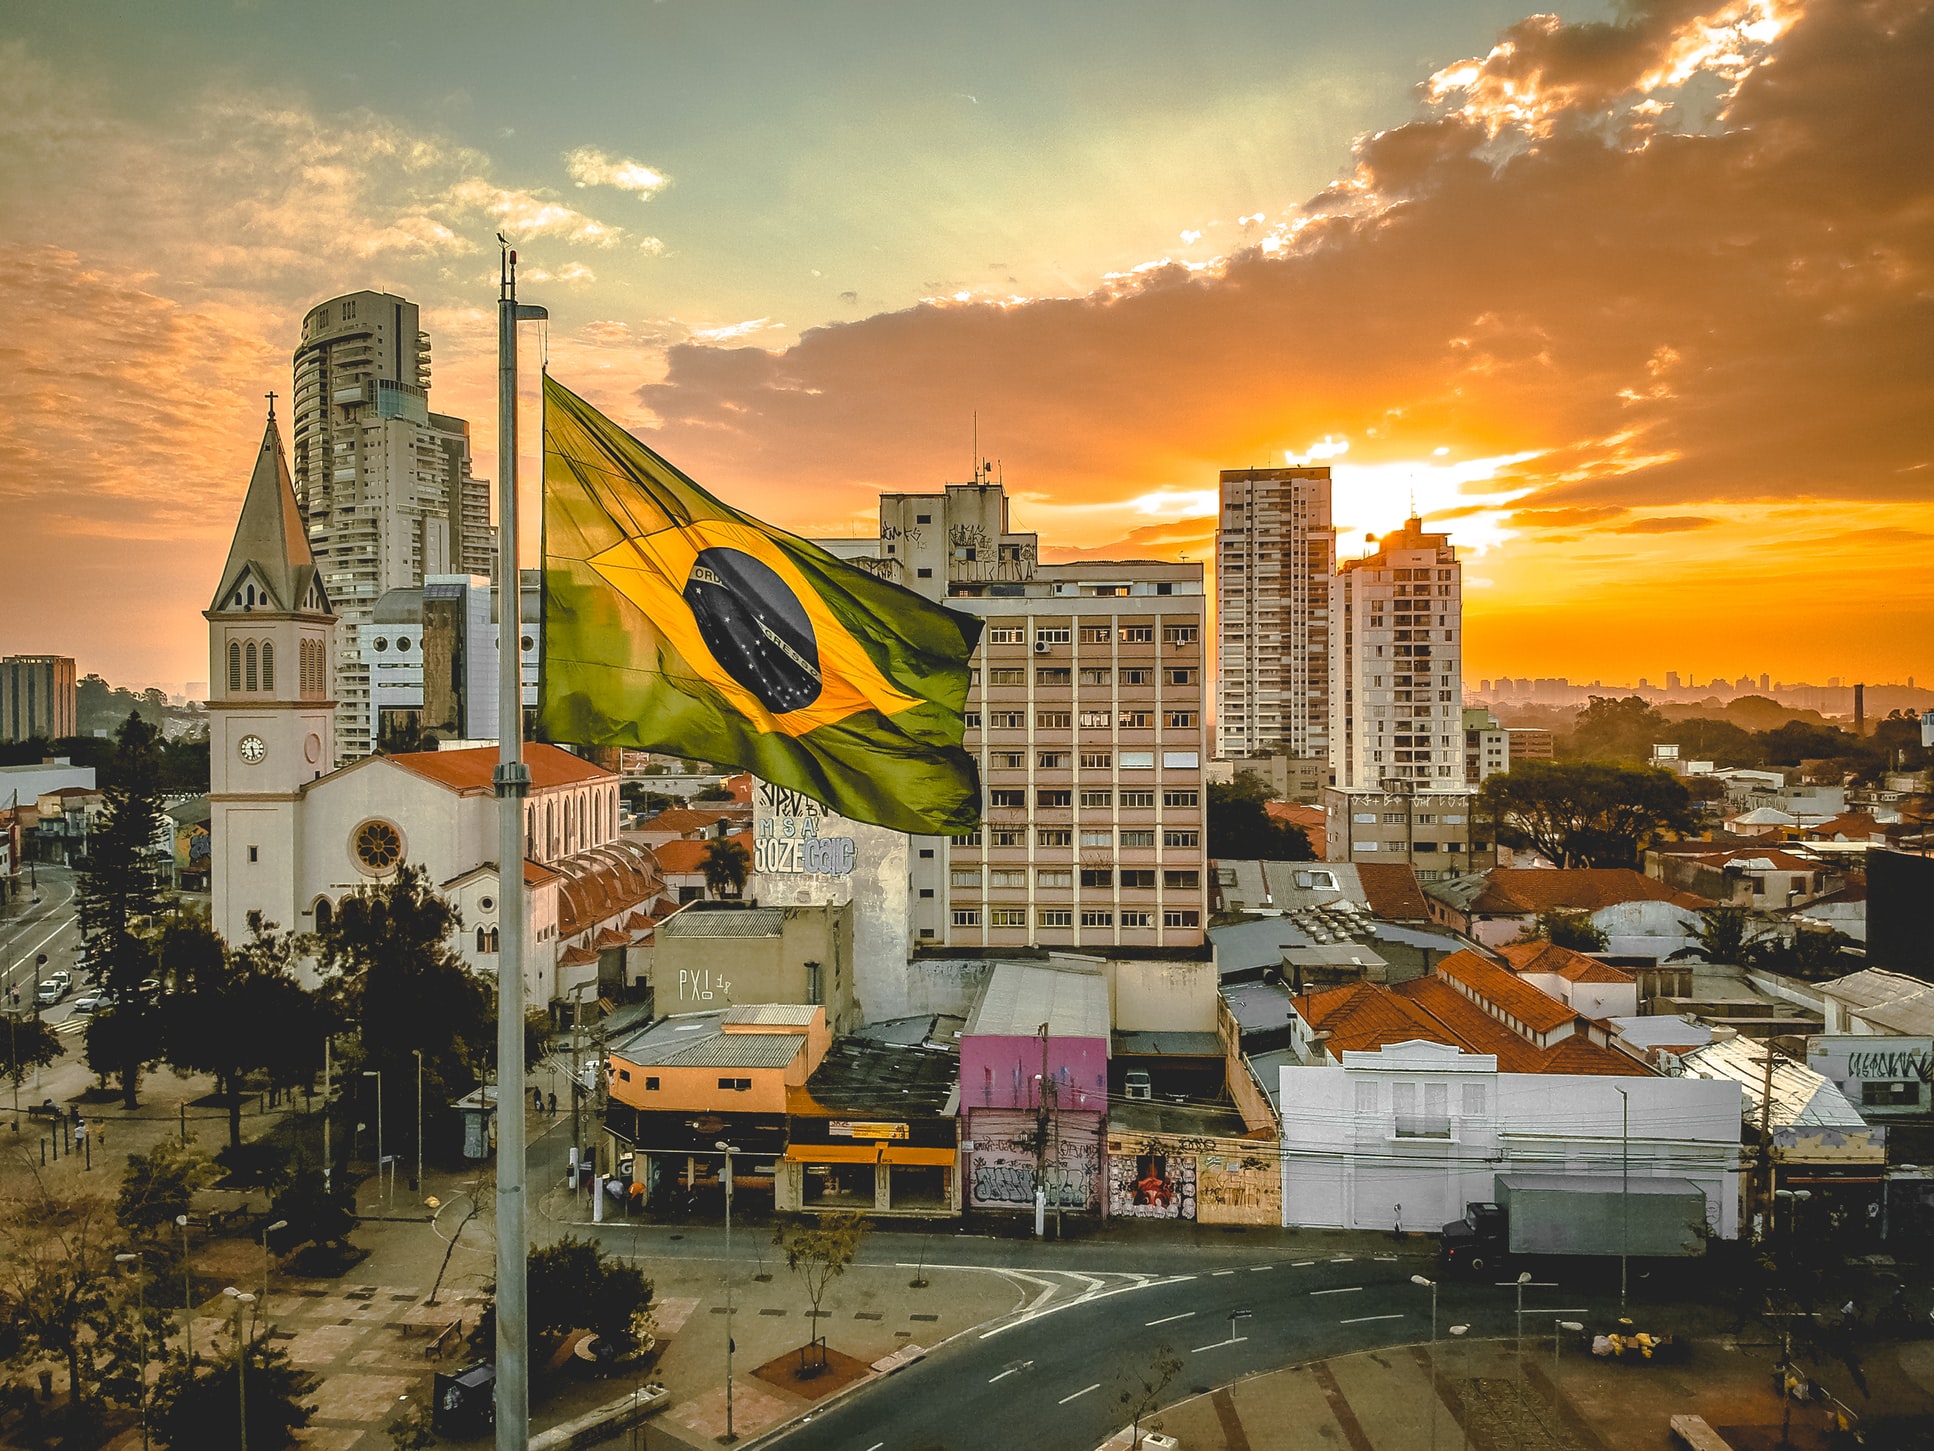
(43, 1153)
(184, 1121)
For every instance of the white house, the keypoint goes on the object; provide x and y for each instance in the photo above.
(1404, 1137)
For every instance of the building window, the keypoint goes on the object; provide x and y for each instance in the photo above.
(1096, 760)
(1007, 720)
(1181, 677)
(1182, 881)
(967, 878)
(1096, 677)
(1137, 877)
(1136, 677)
(1137, 720)
(966, 916)
(1097, 919)
(1007, 677)
(1051, 761)
(1050, 636)
(1095, 635)
(1181, 919)
(736, 1085)
(1010, 837)
(1136, 798)
(1179, 634)
(924, 573)
(1097, 798)
(1006, 797)
(1052, 677)
(1138, 919)
(926, 892)
(1009, 917)
(1058, 836)
(1181, 719)
(1181, 798)
(1054, 877)
(1056, 917)
(377, 846)
(234, 665)
(1181, 838)
(1097, 877)
(1052, 720)
(971, 720)
(1092, 720)
(1137, 634)
(1013, 877)
(1001, 635)
(249, 674)
(268, 666)
(254, 853)
(651, 1084)
(1098, 838)
(971, 839)
(1050, 800)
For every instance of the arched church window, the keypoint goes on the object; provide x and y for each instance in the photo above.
(268, 666)
(325, 914)
(493, 939)
(249, 674)
(234, 665)
(483, 940)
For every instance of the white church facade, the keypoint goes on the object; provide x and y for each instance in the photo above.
(294, 833)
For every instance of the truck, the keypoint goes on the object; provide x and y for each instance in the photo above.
(1576, 1214)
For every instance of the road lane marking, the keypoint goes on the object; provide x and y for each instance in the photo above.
(1032, 1314)
(1343, 1260)
(1015, 1369)
(876, 1446)
(1366, 1319)
(1302, 1264)
(1225, 1272)
(1346, 1290)
(1079, 1394)
(1387, 1259)
(1258, 1269)
(1238, 1340)
(1185, 1315)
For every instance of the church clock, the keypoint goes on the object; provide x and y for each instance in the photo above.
(252, 749)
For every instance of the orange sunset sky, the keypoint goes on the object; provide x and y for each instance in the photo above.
(1635, 300)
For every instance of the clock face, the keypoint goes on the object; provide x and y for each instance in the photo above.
(252, 748)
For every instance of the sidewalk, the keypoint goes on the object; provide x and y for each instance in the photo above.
(1382, 1401)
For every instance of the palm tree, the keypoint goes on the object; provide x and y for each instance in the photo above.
(726, 865)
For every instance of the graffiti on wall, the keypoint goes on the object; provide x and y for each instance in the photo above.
(786, 839)
(1151, 1186)
(1005, 1166)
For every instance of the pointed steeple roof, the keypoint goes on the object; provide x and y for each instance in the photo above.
(271, 548)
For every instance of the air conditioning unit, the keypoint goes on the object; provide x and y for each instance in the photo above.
(1040, 647)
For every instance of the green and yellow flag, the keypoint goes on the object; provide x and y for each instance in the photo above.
(674, 623)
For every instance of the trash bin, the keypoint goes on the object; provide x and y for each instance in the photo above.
(465, 1400)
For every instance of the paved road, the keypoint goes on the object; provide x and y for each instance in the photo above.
(51, 928)
(1052, 1375)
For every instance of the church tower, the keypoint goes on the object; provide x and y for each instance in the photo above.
(271, 638)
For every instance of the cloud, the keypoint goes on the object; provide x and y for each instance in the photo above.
(527, 214)
(588, 166)
(1666, 524)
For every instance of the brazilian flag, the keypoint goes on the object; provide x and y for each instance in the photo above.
(674, 623)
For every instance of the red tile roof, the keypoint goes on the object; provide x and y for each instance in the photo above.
(1562, 961)
(1361, 1017)
(684, 857)
(1482, 1033)
(1392, 891)
(1780, 861)
(1578, 1054)
(682, 819)
(1512, 891)
(578, 957)
(468, 771)
(1540, 1012)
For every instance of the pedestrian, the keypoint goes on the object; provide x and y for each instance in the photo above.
(553, 1103)
(537, 1100)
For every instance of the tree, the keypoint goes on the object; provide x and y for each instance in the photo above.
(574, 1285)
(819, 1253)
(316, 1212)
(726, 866)
(1811, 952)
(28, 1043)
(1563, 928)
(201, 1410)
(1240, 828)
(398, 982)
(1141, 1395)
(119, 889)
(1618, 730)
(1725, 932)
(1586, 813)
(159, 1185)
(60, 1295)
(236, 1012)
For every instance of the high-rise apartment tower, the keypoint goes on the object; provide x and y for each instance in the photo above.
(385, 484)
(1275, 552)
(37, 697)
(1086, 714)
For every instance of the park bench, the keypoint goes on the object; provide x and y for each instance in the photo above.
(1697, 1435)
(50, 1111)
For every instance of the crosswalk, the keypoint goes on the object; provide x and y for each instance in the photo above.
(71, 1026)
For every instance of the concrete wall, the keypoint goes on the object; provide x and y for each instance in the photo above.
(1650, 929)
(1162, 997)
(693, 973)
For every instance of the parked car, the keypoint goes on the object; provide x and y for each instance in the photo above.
(93, 1002)
(53, 988)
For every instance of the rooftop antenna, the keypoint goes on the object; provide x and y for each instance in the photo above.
(976, 459)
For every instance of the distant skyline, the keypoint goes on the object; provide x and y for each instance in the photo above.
(1633, 300)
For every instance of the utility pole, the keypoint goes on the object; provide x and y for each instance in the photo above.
(416, 1184)
(1625, 1189)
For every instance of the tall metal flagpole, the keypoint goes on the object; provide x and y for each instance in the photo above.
(512, 783)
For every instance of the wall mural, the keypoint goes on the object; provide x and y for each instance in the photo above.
(1003, 1166)
(1151, 1186)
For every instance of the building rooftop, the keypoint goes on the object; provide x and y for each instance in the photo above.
(1800, 1096)
(1386, 890)
(724, 922)
(469, 771)
(1181, 1120)
(887, 1080)
(1168, 1045)
(1362, 1017)
(1486, 982)
(1020, 996)
(1890, 1000)
(685, 857)
(699, 1040)
(1515, 891)
(1562, 962)
(771, 1015)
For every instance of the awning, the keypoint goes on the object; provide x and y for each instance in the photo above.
(869, 1154)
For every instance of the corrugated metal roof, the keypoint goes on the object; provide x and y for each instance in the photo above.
(698, 1040)
(734, 922)
(1800, 1096)
(1021, 996)
(792, 1015)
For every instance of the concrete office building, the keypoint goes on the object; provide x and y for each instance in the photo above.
(1086, 714)
(385, 484)
(1396, 707)
(1487, 746)
(37, 697)
(431, 653)
(1275, 553)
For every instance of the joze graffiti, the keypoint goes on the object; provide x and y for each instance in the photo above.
(786, 837)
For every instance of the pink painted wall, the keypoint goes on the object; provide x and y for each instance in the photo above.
(999, 1072)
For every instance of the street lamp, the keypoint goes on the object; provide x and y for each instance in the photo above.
(267, 1230)
(1575, 1326)
(242, 1298)
(141, 1313)
(377, 1074)
(417, 1182)
(1624, 1188)
(1524, 1278)
(728, 1151)
(1464, 1430)
(187, 1295)
(1431, 1285)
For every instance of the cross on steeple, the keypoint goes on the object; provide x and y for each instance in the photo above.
(271, 397)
